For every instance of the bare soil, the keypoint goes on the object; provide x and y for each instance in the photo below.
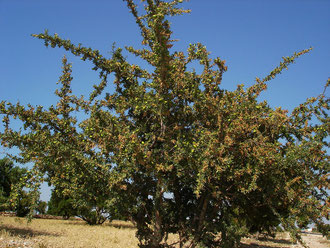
(282, 240)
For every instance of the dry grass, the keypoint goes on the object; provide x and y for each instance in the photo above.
(14, 232)
(45, 233)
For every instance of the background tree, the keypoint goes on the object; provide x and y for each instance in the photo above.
(61, 206)
(173, 149)
(65, 206)
(23, 204)
(5, 182)
(41, 207)
(10, 177)
(6, 166)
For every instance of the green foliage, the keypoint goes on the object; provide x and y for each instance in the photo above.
(6, 176)
(60, 205)
(66, 206)
(10, 177)
(41, 207)
(172, 149)
(23, 205)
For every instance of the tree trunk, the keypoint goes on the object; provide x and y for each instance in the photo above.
(158, 235)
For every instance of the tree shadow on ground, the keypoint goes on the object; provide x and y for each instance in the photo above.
(24, 232)
(274, 242)
(121, 225)
(255, 245)
(277, 241)
(75, 222)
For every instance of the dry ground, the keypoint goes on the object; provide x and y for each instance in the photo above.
(282, 240)
(42, 233)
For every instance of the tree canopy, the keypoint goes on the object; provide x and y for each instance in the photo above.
(174, 150)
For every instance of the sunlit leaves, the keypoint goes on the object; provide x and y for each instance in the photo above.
(230, 163)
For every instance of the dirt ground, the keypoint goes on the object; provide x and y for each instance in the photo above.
(316, 240)
(52, 233)
(313, 240)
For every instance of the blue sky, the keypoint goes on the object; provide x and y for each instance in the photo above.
(251, 35)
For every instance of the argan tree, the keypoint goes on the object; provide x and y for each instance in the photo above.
(173, 150)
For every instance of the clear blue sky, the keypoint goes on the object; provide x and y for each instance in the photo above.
(251, 35)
